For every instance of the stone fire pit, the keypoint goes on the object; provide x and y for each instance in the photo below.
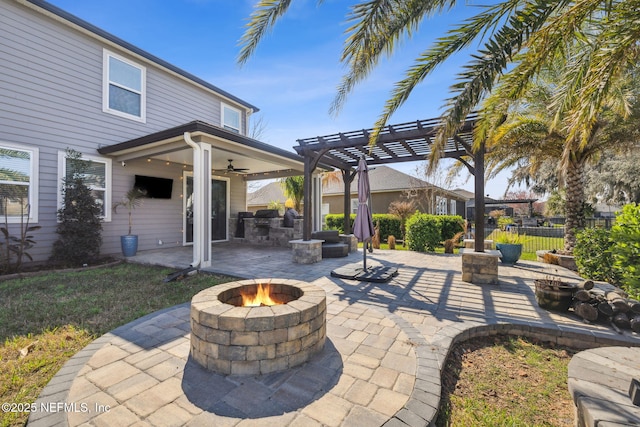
(229, 338)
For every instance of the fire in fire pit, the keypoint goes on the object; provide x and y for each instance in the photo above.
(263, 296)
(283, 330)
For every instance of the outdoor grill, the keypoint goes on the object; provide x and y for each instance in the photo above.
(240, 225)
(262, 217)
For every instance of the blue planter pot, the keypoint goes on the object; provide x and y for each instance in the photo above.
(509, 253)
(129, 245)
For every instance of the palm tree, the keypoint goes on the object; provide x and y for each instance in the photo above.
(518, 38)
(534, 130)
(293, 187)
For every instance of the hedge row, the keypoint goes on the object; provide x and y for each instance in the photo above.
(389, 224)
(425, 231)
(436, 227)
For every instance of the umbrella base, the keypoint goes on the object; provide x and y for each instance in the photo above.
(377, 274)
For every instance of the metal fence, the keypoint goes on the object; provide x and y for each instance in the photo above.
(547, 234)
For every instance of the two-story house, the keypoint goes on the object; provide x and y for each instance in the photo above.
(65, 83)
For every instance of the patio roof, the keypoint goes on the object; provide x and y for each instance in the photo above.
(264, 161)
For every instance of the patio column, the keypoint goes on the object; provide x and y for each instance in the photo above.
(201, 202)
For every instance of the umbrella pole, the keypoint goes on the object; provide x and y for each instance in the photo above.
(364, 255)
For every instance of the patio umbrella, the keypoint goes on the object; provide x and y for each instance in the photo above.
(363, 226)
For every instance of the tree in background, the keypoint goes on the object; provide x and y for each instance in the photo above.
(293, 187)
(522, 209)
(80, 226)
(615, 179)
(532, 129)
(403, 210)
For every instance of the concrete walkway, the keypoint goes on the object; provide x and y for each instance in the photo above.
(386, 347)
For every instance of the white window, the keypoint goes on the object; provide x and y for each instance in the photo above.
(452, 209)
(124, 87)
(354, 206)
(441, 205)
(230, 118)
(18, 183)
(96, 175)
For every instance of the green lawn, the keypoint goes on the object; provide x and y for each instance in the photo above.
(54, 315)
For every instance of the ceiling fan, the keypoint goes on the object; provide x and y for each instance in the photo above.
(231, 168)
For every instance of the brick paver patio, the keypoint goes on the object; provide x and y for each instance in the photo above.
(381, 365)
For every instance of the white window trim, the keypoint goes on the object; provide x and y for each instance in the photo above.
(222, 121)
(105, 88)
(62, 170)
(34, 181)
(354, 205)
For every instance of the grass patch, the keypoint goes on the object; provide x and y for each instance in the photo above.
(506, 381)
(57, 314)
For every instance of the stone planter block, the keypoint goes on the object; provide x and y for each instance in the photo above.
(480, 267)
(306, 251)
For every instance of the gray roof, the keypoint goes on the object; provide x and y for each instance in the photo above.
(468, 195)
(271, 192)
(381, 178)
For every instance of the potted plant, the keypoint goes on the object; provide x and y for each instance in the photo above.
(510, 246)
(130, 201)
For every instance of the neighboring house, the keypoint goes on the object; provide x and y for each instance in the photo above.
(68, 84)
(605, 210)
(265, 196)
(387, 185)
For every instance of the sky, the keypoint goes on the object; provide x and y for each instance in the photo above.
(294, 74)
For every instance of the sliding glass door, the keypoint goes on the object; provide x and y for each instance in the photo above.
(219, 208)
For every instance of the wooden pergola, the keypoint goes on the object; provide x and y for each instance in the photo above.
(406, 142)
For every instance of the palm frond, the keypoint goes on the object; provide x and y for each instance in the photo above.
(375, 28)
(617, 50)
(456, 39)
(262, 20)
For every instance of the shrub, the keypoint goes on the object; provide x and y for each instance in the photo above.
(450, 225)
(80, 227)
(503, 221)
(593, 255)
(16, 246)
(423, 232)
(336, 221)
(389, 224)
(626, 249)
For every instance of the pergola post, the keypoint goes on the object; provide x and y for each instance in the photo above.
(307, 210)
(478, 159)
(347, 179)
(310, 163)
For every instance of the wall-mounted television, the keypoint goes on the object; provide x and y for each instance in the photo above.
(156, 188)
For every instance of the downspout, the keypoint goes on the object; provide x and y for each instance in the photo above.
(196, 200)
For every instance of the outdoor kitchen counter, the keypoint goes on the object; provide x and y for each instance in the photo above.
(599, 381)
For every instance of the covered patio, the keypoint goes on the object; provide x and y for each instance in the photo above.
(215, 165)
